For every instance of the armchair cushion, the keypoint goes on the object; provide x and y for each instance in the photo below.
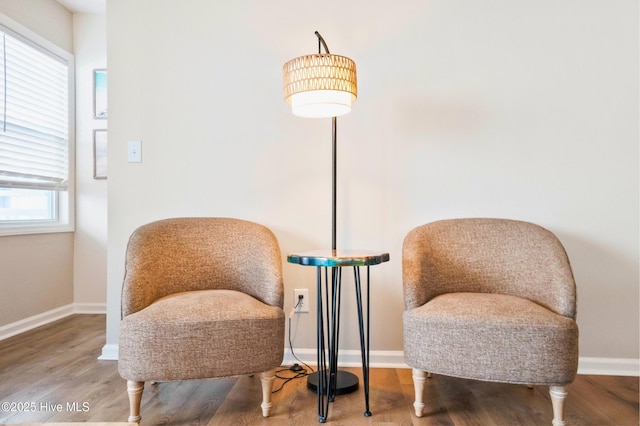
(491, 337)
(232, 333)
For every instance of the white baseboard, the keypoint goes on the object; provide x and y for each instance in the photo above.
(89, 308)
(609, 366)
(349, 358)
(395, 359)
(30, 323)
(109, 353)
(47, 317)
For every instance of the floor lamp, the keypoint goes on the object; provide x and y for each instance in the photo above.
(323, 85)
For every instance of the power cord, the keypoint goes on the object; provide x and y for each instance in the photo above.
(296, 368)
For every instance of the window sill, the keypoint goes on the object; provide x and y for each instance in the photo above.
(6, 230)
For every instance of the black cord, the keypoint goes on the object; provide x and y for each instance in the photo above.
(293, 353)
(291, 345)
(303, 372)
(297, 375)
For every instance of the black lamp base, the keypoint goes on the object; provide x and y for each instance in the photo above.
(347, 382)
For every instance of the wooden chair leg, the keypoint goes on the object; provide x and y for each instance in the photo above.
(558, 395)
(134, 389)
(419, 378)
(267, 379)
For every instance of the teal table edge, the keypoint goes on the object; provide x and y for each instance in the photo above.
(338, 258)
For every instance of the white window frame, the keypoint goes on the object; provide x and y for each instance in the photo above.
(65, 200)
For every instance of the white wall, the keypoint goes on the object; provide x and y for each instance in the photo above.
(36, 271)
(526, 110)
(46, 17)
(90, 254)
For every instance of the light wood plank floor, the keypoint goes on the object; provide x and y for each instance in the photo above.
(54, 373)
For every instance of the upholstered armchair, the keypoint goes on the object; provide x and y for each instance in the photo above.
(492, 300)
(202, 298)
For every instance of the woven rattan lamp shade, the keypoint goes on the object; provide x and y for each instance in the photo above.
(320, 85)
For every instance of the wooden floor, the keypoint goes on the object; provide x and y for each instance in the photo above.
(52, 374)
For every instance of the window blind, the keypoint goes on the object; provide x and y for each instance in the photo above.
(34, 116)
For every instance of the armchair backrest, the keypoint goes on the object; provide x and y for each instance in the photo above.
(185, 254)
(487, 256)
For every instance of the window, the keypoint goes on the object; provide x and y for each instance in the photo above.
(35, 137)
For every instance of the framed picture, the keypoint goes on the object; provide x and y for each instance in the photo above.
(100, 154)
(100, 93)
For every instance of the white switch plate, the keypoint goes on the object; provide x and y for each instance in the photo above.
(134, 152)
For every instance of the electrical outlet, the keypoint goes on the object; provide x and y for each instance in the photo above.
(303, 306)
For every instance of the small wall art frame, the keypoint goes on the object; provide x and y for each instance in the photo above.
(100, 93)
(100, 154)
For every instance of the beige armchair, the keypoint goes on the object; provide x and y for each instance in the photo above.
(202, 298)
(492, 300)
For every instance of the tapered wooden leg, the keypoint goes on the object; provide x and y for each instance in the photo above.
(267, 379)
(134, 389)
(419, 378)
(558, 395)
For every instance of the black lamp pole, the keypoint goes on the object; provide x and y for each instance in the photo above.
(334, 149)
(334, 138)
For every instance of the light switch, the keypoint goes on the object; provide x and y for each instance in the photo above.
(134, 152)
